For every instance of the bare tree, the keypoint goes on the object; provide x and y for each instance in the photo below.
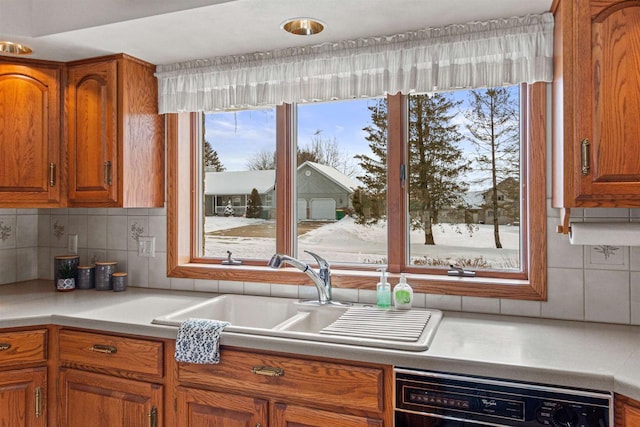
(262, 160)
(494, 128)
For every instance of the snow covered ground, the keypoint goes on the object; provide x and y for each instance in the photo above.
(345, 241)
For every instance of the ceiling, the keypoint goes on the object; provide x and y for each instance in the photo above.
(169, 31)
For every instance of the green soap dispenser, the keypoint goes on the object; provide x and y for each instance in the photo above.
(402, 294)
(383, 290)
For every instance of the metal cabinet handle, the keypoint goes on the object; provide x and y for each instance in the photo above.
(4, 346)
(267, 371)
(585, 157)
(153, 417)
(52, 174)
(101, 348)
(108, 178)
(38, 405)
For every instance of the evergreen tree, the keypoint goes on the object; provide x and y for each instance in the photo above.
(494, 128)
(436, 164)
(254, 204)
(210, 157)
(371, 198)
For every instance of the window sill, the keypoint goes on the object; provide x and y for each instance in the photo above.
(356, 279)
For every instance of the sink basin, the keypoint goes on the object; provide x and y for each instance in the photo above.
(362, 325)
(242, 311)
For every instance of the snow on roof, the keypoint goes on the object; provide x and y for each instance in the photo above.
(334, 174)
(239, 182)
(475, 199)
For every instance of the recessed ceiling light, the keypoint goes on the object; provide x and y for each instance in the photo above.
(14, 48)
(302, 26)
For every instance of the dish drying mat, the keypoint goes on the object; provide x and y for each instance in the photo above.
(393, 325)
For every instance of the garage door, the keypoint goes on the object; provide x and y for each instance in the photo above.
(323, 209)
(302, 209)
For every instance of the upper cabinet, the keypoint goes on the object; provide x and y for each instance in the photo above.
(30, 142)
(596, 104)
(115, 135)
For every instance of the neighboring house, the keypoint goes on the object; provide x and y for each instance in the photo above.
(508, 202)
(323, 191)
(222, 188)
(472, 213)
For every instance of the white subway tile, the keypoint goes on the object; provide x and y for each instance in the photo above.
(138, 270)
(481, 305)
(443, 302)
(607, 296)
(117, 232)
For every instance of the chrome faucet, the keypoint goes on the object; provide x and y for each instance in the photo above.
(322, 278)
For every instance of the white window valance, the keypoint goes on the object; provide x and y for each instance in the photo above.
(479, 54)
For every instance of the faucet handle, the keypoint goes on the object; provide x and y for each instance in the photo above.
(323, 264)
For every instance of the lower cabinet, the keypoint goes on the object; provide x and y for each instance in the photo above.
(90, 399)
(250, 389)
(22, 397)
(627, 411)
(204, 408)
(285, 415)
(109, 380)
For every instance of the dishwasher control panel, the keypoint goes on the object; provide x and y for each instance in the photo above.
(497, 402)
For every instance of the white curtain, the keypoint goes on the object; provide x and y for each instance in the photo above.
(479, 54)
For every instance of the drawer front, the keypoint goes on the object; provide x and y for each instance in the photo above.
(111, 352)
(18, 348)
(308, 381)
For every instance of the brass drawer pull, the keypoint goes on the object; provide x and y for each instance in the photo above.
(153, 417)
(107, 349)
(585, 157)
(108, 171)
(38, 403)
(4, 346)
(267, 371)
(52, 174)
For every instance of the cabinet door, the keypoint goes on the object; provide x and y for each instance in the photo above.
(295, 416)
(93, 134)
(627, 411)
(29, 136)
(597, 96)
(22, 398)
(89, 399)
(202, 408)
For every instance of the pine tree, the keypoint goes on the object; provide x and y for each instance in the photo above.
(371, 198)
(254, 205)
(210, 157)
(436, 163)
(494, 128)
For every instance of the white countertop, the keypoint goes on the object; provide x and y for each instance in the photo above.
(577, 354)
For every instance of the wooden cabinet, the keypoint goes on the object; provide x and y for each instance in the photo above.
(111, 381)
(91, 399)
(30, 137)
(204, 408)
(115, 135)
(596, 104)
(22, 397)
(299, 391)
(23, 378)
(627, 411)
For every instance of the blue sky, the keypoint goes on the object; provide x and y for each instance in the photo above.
(238, 136)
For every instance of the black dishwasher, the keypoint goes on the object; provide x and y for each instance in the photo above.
(435, 399)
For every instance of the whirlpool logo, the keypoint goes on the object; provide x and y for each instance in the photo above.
(489, 403)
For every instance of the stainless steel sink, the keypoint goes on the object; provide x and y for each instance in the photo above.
(291, 318)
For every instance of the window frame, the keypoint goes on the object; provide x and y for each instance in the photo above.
(530, 284)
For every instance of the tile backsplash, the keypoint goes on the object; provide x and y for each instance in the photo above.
(593, 283)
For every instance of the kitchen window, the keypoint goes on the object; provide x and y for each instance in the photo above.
(302, 198)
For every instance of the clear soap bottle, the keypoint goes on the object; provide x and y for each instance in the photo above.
(383, 290)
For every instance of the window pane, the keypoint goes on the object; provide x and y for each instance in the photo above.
(341, 180)
(464, 179)
(239, 184)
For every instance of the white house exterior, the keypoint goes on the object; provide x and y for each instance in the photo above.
(323, 191)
